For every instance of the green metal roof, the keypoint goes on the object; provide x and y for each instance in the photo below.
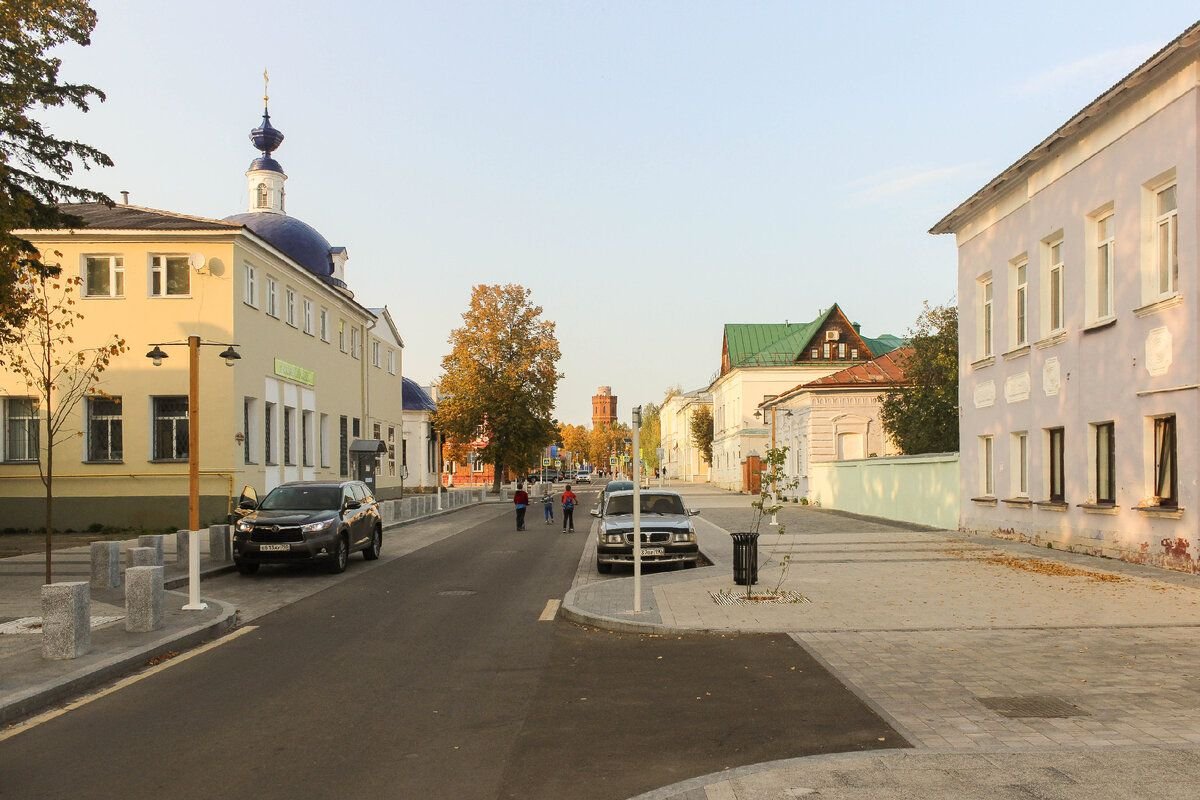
(777, 344)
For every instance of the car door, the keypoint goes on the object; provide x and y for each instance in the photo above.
(359, 522)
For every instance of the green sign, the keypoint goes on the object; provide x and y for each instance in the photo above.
(294, 373)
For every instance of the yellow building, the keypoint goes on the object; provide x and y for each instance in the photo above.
(317, 371)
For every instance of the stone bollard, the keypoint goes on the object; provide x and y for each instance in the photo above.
(140, 557)
(219, 546)
(106, 565)
(143, 599)
(66, 620)
(156, 542)
(182, 548)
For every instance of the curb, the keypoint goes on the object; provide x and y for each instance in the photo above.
(75, 683)
(210, 572)
(401, 523)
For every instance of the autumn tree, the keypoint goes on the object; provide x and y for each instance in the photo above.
(35, 165)
(58, 371)
(500, 378)
(922, 416)
(607, 440)
(700, 426)
(574, 439)
(649, 435)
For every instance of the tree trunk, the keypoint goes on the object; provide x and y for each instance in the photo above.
(498, 469)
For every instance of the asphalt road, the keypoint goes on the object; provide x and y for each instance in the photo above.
(431, 677)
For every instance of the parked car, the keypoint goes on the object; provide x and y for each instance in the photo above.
(319, 521)
(612, 486)
(667, 534)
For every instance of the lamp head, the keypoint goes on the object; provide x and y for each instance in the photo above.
(230, 355)
(156, 356)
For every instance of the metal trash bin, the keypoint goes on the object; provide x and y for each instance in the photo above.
(745, 558)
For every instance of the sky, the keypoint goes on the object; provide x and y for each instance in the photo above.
(650, 170)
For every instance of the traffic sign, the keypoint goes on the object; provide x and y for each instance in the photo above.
(612, 461)
(558, 462)
(545, 462)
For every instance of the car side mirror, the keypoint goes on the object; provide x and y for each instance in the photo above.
(247, 505)
(693, 512)
(595, 512)
(351, 505)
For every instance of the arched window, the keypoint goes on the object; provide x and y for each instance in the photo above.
(262, 195)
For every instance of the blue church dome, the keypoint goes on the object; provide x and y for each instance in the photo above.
(415, 398)
(298, 240)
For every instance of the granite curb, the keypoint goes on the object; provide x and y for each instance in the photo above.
(115, 666)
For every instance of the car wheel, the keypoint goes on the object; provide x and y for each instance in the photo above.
(372, 551)
(340, 557)
(246, 568)
(602, 567)
(691, 564)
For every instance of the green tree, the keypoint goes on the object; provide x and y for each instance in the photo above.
(701, 428)
(35, 166)
(922, 416)
(500, 378)
(649, 435)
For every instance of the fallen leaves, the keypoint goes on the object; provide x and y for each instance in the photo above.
(1043, 567)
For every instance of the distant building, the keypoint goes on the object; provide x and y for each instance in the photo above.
(1077, 273)
(682, 459)
(418, 451)
(604, 407)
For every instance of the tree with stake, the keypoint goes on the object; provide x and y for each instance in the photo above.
(701, 428)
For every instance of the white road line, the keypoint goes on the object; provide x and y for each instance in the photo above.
(549, 612)
(33, 722)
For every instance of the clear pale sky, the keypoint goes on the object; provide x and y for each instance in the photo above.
(651, 170)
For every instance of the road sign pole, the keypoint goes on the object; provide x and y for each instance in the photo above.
(637, 515)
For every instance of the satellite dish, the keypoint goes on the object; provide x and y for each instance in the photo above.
(196, 261)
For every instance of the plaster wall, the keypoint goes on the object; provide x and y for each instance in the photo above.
(919, 489)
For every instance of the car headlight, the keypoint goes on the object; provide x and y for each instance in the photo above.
(316, 527)
(689, 536)
(614, 538)
(243, 526)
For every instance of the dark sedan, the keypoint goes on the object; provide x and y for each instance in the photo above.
(668, 536)
(308, 521)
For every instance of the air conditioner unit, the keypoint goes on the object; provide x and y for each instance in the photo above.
(832, 336)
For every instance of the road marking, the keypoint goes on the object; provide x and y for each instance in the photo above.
(549, 611)
(32, 722)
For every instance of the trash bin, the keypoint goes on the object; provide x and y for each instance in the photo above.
(745, 558)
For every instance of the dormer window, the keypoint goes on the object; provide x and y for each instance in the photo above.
(263, 196)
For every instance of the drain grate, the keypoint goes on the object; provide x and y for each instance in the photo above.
(456, 592)
(725, 597)
(1035, 706)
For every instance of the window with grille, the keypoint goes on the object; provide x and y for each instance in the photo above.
(170, 428)
(21, 429)
(104, 434)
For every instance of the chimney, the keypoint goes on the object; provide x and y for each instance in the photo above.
(857, 327)
(124, 197)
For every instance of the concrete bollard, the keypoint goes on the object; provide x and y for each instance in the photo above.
(143, 599)
(139, 557)
(156, 542)
(106, 565)
(66, 620)
(219, 547)
(182, 548)
(389, 511)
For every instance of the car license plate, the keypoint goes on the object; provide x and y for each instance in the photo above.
(652, 551)
(274, 547)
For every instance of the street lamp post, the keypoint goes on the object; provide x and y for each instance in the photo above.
(156, 356)
(637, 515)
(774, 517)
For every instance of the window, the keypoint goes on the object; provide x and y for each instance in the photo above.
(1020, 464)
(21, 429)
(289, 430)
(815, 355)
(251, 287)
(985, 319)
(1055, 287)
(404, 452)
(104, 438)
(342, 335)
(1104, 267)
(841, 349)
(1021, 305)
(324, 325)
(854, 352)
(1166, 229)
(263, 199)
(170, 428)
(290, 306)
(355, 342)
(376, 358)
(306, 438)
(308, 316)
(377, 432)
(268, 433)
(104, 276)
(1057, 493)
(477, 462)
(324, 434)
(985, 466)
(1104, 460)
(391, 451)
(343, 448)
(1166, 478)
(392, 362)
(272, 298)
(170, 276)
(825, 350)
(248, 415)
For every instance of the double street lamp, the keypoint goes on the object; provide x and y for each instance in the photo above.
(156, 356)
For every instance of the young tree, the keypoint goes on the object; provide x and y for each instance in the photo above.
(649, 435)
(701, 428)
(34, 165)
(500, 377)
(922, 417)
(55, 368)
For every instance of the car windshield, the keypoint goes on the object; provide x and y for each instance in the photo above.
(303, 498)
(618, 486)
(651, 504)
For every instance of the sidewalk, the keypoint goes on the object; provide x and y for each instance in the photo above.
(1005, 663)
(28, 682)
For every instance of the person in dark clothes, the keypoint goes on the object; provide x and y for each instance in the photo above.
(568, 509)
(521, 501)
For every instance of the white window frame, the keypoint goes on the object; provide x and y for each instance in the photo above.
(30, 421)
(1166, 224)
(308, 316)
(324, 324)
(1094, 465)
(324, 441)
(306, 438)
(342, 336)
(1054, 304)
(1019, 297)
(175, 422)
(355, 342)
(391, 362)
(1102, 270)
(289, 305)
(159, 272)
(985, 330)
(376, 354)
(1019, 459)
(91, 416)
(116, 277)
(250, 289)
(987, 475)
(272, 297)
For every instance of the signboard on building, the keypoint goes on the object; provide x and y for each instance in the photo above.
(294, 373)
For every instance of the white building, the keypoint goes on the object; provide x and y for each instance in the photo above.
(1078, 293)
(681, 458)
(420, 448)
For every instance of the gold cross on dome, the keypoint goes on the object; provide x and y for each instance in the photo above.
(266, 81)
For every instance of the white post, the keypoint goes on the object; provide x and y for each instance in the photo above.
(637, 515)
(439, 474)
(194, 603)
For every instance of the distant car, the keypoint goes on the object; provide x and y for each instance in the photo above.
(583, 477)
(318, 521)
(668, 535)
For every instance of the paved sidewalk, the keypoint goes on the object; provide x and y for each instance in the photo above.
(986, 655)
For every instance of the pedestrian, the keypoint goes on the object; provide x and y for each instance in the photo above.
(521, 501)
(568, 508)
(548, 503)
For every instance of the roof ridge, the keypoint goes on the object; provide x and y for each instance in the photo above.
(164, 212)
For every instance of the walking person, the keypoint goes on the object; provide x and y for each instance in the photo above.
(568, 508)
(521, 501)
(548, 503)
